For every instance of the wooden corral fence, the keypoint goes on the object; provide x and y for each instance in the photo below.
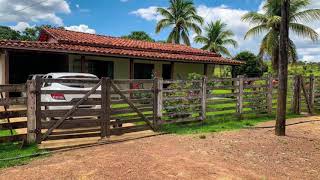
(13, 113)
(106, 107)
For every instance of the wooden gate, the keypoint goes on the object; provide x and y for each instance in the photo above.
(110, 107)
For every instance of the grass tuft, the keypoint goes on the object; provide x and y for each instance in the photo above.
(12, 150)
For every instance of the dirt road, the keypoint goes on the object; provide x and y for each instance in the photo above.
(244, 154)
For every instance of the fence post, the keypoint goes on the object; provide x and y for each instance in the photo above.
(296, 103)
(240, 96)
(31, 112)
(269, 95)
(204, 98)
(157, 103)
(311, 91)
(103, 116)
(38, 109)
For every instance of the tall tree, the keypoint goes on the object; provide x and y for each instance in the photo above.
(139, 35)
(216, 37)
(181, 16)
(269, 22)
(6, 33)
(283, 69)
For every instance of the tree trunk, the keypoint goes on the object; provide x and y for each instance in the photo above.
(283, 70)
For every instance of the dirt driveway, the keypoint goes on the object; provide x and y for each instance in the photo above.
(244, 154)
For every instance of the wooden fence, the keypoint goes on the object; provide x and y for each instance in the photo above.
(114, 107)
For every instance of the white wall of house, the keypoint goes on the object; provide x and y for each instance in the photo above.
(121, 66)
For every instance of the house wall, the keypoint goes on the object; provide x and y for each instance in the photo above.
(181, 70)
(122, 69)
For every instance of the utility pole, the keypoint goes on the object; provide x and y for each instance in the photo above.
(283, 69)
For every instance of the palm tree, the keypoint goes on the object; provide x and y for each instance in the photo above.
(182, 16)
(216, 38)
(269, 21)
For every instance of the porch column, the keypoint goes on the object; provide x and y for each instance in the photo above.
(205, 70)
(131, 69)
(172, 70)
(82, 61)
(6, 65)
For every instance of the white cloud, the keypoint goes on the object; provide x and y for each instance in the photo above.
(81, 28)
(21, 26)
(148, 14)
(33, 10)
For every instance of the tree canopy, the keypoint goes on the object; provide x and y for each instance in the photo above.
(216, 37)
(181, 16)
(253, 66)
(6, 33)
(139, 35)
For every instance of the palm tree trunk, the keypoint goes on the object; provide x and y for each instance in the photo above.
(283, 70)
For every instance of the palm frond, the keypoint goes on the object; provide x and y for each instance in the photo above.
(257, 30)
(308, 15)
(304, 31)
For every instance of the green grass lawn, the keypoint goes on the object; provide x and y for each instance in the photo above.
(216, 125)
(12, 150)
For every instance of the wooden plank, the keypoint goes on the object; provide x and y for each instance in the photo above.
(74, 136)
(130, 129)
(13, 101)
(104, 105)
(13, 114)
(226, 95)
(108, 107)
(76, 113)
(142, 100)
(220, 109)
(203, 100)
(90, 101)
(13, 88)
(311, 90)
(14, 125)
(68, 91)
(38, 109)
(6, 110)
(73, 80)
(222, 87)
(158, 101)
(181, 98)
(180, 81)
(127, 81)
(31, 112)
(13, 138)
(269, 94)
(71, 111)
(310, 110)
(131, 105)
(130, 110)
(240, 97)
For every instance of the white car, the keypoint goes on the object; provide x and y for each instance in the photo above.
(60, 97)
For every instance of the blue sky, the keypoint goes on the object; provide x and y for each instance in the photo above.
(120, 17)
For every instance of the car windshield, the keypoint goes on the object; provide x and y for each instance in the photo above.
(78, 85)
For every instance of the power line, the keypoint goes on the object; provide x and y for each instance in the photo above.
(27, 7)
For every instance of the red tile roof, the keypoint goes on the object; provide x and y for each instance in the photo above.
(60, 40)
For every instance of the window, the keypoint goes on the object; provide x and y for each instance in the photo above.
(96, 67)
(143, 71)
